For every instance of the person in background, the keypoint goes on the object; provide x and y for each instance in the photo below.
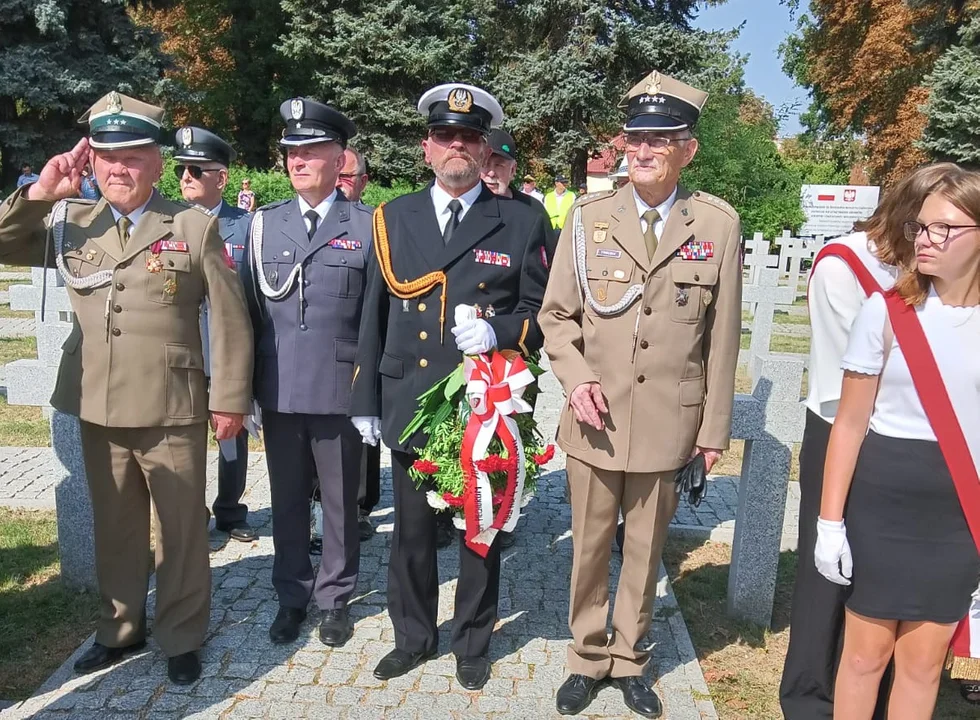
(902, 464)
(530, 187)
(621, 176)
(89, 189)
(558, 202)
(202, 167)
(246, 198)
(583, 190)
(26, 175)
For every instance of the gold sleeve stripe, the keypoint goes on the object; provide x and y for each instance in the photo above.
(520, 343)
(411, 288)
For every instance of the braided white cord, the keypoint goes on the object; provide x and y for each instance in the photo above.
(59, 216)
(578, 238)
(264, 286)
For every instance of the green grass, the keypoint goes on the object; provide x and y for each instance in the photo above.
(17, 348)
(23, 426)
(781, 343)
(41, 622)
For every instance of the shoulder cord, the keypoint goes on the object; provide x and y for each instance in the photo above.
(409, 289)
(295, 275)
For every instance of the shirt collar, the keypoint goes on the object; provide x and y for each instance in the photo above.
(322, 209)
(134, 216)
(216, 210)
(663, 209)
(440, 198)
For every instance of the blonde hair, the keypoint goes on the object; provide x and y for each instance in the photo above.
(961, 187)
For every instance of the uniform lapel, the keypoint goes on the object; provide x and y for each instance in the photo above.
(479, 221)
(294, 228)
(101, 229)
(154, 224)
(334, 225)
(423, 230)
(677, 230)
(624, 226)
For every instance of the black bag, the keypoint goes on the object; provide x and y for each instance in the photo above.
(693, 480)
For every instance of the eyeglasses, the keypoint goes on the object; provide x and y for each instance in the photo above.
(195, 170)
(938, 231)
(655, 141)
(444, 136)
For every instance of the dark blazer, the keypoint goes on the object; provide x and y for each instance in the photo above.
(400, 353)
(233, 228)
(304, 351)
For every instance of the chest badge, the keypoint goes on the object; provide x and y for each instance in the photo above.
(285, 253)
(492, 257)
(344, 244)
(170, 286)
(681, 298)
(696, 250)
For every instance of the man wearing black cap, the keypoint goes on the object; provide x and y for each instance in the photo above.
(137, 268)
(304, 280)
(202, 167)
(458, 238)
(642, 321)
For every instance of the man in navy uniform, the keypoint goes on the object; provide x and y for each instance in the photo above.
(202, 167)
(304, 272)
(489, 251)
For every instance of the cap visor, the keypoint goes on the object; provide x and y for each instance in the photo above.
(465, 121)
(113, 140)
(296, 140)
(653, 121)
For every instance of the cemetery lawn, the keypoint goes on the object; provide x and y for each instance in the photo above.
(41, 623)
(742, 664)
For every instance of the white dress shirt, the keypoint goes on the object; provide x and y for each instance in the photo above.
(441, 200)
(134, 216)
(322, 209)
(663, 208)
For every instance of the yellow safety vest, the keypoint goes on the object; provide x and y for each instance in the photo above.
(558, 207)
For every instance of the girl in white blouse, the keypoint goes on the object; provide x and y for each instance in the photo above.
(907, 547)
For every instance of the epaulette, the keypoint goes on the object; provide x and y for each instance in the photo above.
(81, 201)
(361, 207)
(717, 202)
(592, 197)
(275, 204)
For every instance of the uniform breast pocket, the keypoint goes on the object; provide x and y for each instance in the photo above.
(341, 272)
(610, 278)
(693, 290)
(84, 261)
(167, 277)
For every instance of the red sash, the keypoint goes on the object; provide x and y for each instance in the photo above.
(935, 401)
(864, 276)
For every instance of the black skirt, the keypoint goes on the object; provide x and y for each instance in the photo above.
(914, 556)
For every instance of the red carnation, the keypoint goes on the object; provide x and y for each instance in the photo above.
(546, 456)
(491, 464)
(426, 467)
(452, 500)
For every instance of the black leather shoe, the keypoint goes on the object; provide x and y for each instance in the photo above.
(335, 627)
(398, 662)
(639, 697)
(575, 694)
(242, 532)
(184, 669)
(364, 527)
(445, 534)
(99, 656)
(507, 540)
(472, 672)
(285, 628)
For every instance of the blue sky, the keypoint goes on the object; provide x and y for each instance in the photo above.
(767, 23)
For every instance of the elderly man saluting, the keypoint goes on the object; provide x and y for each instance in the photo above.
(137, 268)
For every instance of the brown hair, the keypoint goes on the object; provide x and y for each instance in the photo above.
(961, 187)
(901, 204)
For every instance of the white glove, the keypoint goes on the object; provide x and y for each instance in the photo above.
(474, 337)
(832, 554)
(369, 428)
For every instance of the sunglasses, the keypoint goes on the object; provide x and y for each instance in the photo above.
(445, 136)
(195, 171)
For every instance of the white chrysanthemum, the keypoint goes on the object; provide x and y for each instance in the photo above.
(436, 501)
(459, 523)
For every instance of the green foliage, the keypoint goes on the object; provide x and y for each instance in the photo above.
(821, 162)
(739, 162)
(375, 194)
(953, 110)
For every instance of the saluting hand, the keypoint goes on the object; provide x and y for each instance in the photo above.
(589, 405)
(61, 176)
(226, 425)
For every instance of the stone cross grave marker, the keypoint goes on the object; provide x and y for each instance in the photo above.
(792, 251)
(766, 295)
(757, 258)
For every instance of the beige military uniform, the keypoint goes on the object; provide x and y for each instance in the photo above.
(132, 370)
(666, 364)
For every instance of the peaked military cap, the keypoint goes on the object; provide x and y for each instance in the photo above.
(622, 171)
(659, 102)
(502, 142)
(308, 122)
(119, 121)
(194, 144)
(459, 105)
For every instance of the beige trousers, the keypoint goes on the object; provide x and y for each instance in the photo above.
(648, 502)
(128, 468)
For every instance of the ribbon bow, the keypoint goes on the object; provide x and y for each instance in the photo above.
(494, 387)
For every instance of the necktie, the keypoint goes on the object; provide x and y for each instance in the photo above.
(314, 219)
(650, 235)
(454, 207)
(122, 227)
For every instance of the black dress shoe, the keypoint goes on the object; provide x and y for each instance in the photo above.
(398, 662)
(445, 533)
(242, 532)
(364, 527)
(335, 627)
(576, 693)
(99, 656)
(472, 672)
(507, 540)
(184, 669)
(285, 628)
(639, 697)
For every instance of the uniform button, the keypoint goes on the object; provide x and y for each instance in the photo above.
(423, 363)
(482, 286)
(116, 331)
(343, 261)
(647, 311)
(696, 277)
(421, 307)
(120, 286)
(117, 308)
(644, 344)
(423, 335)
(641, 379)
(306, 283)
(303, 327)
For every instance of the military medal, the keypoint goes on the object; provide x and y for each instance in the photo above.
(681, 297)
(599, 232)
(170, 286)
(490, 312)
(153, 263)
(601, 294)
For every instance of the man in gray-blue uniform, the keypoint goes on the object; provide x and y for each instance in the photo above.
(202, 167)
(304, 272)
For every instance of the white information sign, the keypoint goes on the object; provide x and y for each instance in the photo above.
(832, 210)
